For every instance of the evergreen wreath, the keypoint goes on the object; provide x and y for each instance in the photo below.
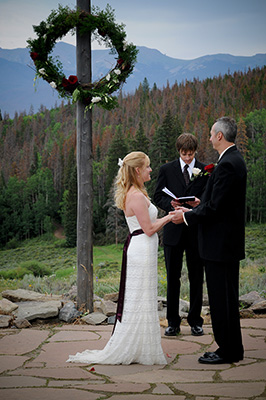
(104, 29)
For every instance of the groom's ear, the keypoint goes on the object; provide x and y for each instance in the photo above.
(220, 135)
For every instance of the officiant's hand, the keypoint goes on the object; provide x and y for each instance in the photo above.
(194, 203)
(175, 203)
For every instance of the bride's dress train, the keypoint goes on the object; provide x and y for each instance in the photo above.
(137, 338)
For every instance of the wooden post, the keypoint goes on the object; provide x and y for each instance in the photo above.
(84, 175)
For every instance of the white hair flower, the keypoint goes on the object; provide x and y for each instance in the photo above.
(53, 85)
(117, 71)
(120, 162)
(42, 71)
(108, 77)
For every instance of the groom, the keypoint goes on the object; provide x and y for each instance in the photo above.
(221, 221)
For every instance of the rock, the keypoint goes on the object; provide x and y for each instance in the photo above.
(6, 307)
(5, 320)
(163, 300)
(163, 322)
(205, 310)
(21, 323)
(97, 306)
(108, 307)
(72, 294)
(250, 299)
(111, 320)
(112, 297)
(183, 306)
(69, 312)
(94, 318)
(247, 313)
(37, 309)
(160, 306)
(259, 308)
(205, 300)
(28, 295)
(162, 315)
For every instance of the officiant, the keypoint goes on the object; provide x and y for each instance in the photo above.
(184, 176)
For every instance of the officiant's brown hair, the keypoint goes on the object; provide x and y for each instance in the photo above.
(187, 142)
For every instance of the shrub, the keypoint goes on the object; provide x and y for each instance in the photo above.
(28, 267)
(36, 268)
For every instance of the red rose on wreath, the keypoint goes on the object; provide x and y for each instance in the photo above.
(73, 79)
(34, 55)
(71, 83)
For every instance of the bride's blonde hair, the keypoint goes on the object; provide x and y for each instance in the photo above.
(127, 176)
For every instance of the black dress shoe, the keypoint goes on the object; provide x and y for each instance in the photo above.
(197, 330)
(172, 331)
(214, 358)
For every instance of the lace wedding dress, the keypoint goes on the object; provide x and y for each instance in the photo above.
(137, 337)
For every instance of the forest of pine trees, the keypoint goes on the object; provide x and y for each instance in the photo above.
(37, 151)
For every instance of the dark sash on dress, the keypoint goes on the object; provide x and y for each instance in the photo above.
(121, 296)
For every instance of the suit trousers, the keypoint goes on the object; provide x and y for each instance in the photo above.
(174, 260)
(222, 283)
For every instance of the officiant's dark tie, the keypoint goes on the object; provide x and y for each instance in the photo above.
(186, 174)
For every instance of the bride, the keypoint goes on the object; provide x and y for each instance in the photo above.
(136, 337)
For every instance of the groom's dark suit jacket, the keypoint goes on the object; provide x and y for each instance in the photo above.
(171, 176)
(221, 214)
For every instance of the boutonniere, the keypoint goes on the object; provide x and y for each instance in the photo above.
(207, 170)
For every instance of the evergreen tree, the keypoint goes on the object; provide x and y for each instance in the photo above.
(116, 227)
(242, 139)
(118, 149)
(158, 154)
(140, 142)
(99, 197)
(256, 166)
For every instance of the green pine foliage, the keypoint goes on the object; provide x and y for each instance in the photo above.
(37, 151)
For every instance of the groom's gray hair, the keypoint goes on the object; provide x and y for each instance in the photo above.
(228, 127)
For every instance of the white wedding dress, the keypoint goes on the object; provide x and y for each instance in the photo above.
(137, 337)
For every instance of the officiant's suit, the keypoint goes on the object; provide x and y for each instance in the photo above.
(221, 218)
(178, 239)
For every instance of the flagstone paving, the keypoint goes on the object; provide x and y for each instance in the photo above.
(33, 366)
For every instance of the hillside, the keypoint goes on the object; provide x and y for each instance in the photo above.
(38, 150)
(17, 91)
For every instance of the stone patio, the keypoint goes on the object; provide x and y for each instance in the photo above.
(33, 366)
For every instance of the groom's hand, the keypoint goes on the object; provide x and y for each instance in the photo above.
(177, 216)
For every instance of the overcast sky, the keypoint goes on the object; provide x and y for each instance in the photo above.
(184, 29)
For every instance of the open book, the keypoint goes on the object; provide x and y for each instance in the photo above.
(180, 199)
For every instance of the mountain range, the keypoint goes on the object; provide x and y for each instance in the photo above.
(18, 92)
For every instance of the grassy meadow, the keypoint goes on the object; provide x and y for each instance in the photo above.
(45, 265)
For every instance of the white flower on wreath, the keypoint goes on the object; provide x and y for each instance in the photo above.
(96, 99)
(196, 171)
(42, 71)
(117, 71)
(125, 44)
(108, 77)
(53, 85)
